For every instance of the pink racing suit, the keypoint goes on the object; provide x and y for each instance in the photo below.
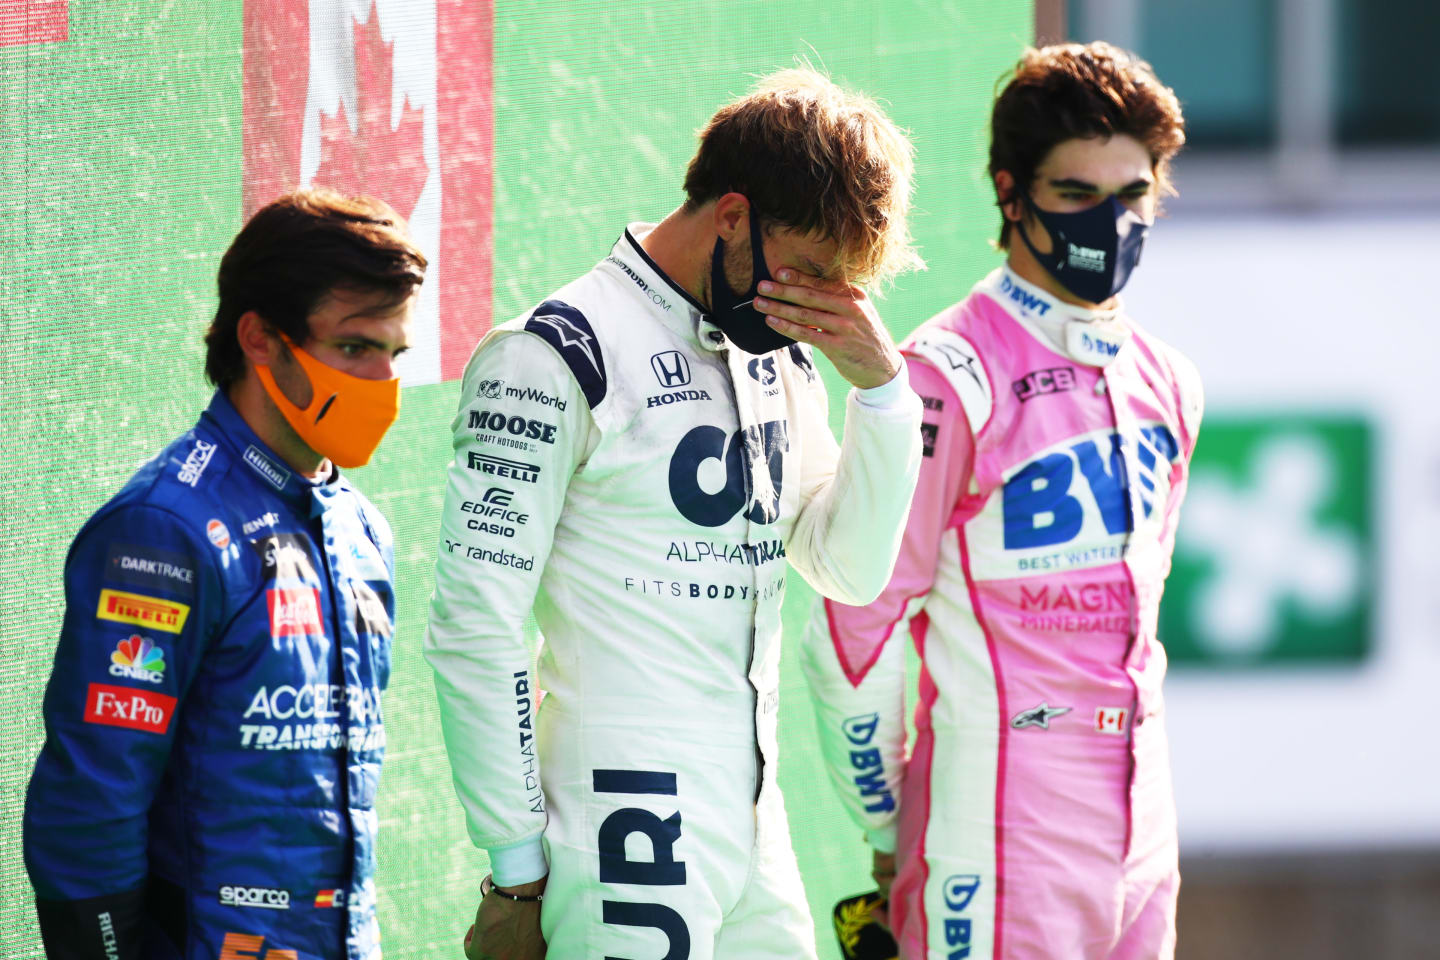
(1035, 815)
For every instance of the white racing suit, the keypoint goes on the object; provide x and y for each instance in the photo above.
(640, 484)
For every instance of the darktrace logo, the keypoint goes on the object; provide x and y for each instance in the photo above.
(490, 389)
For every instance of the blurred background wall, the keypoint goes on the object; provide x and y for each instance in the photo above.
(1303, 616)
(519, 138)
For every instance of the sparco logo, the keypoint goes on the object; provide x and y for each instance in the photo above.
(263, 897)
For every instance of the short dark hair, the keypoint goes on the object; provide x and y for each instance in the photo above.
(1073, 91)
(813, 157)
(293, 253)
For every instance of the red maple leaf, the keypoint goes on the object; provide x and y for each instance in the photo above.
(375, 159)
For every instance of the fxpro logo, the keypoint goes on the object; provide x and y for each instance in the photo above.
(266, 898)
(959, 890)
(868, 766)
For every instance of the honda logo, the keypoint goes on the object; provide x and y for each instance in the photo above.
(671, 368)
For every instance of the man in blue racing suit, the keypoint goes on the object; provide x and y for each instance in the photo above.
(213, 729)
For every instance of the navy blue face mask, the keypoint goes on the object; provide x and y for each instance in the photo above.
(734, 313)
(1094, 251)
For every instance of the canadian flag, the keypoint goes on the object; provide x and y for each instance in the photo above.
(34, 21)
(392, 98)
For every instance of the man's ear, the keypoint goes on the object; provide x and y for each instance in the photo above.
(1007, 196)
(257, 341)
(732, 212)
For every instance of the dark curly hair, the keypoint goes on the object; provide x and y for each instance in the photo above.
(293, 253)
(1071, 90)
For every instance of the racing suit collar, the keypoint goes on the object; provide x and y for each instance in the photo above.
(247, 447)
(669, 301)
(1087, 336)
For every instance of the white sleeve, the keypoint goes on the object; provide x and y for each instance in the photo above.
(854, 498)
(522, 429)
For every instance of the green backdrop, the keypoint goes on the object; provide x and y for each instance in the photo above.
(120, 160)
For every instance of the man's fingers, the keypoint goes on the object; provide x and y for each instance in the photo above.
(829, 301)
(799, 331)
(820, 319)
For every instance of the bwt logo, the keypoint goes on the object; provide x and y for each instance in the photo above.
(1027, 300)
(1041, 509)
(671, 368)
(868, 765)
(959, 891)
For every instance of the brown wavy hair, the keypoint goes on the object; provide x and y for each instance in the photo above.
(293, 253)
(1071, 90)
(820, 160)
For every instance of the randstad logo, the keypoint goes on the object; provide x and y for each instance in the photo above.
(139, 659)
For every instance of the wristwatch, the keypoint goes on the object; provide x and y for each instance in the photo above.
(487, 887)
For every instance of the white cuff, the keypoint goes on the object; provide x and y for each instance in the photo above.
(518, 863)
(882, 839)
(887, 396)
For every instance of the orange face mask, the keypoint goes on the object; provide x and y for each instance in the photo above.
(347, 416)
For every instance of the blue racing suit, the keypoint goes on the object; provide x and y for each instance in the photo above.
(213, 730)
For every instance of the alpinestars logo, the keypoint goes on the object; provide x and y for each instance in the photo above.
(570, 336)
(1038, 716)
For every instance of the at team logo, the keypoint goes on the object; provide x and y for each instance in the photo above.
(762, 370)
(671, 369)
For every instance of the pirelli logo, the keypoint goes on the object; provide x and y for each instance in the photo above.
(142, 611)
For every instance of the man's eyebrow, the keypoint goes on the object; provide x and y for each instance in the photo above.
(814, 267)
(1074, 183)
(369, 342)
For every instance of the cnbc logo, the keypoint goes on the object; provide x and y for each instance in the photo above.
(1275, 552)
(139, 659)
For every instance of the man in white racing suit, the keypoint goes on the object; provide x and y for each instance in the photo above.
(636, 460)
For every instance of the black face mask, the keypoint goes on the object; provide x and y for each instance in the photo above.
(1094, 251)
(734, 313)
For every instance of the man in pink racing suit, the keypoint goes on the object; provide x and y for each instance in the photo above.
(1033, 817)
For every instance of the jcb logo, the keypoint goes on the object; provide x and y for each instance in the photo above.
(744, 450)
(661, 870)
(244, 946)
(1042, 511)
